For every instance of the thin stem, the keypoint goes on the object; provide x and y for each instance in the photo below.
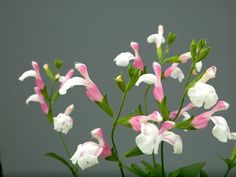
(145, 99)
(162, 160)
(154, 160)
(113, 133)
(64, 145)
(185, 91)
(227, 172)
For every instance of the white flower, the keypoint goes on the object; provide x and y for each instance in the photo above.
(123, 59)
(63, 122)
(157, 38)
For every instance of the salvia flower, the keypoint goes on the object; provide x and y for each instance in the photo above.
(63, 122)
(92, 92)
(124, 58)
(174, 72)
(158, 38)
(87, 153)
(204, 94)
(153, 79)
(63, 79)
(183, 112)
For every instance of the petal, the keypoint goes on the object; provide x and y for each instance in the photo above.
(174, 140)
(26, 74)
(167, 125)
(33, 97)
(74, 81)
(146, 78)
(123, 59)
(221, 129)
(210, 100)
(106, 152)
(82, 68)
(136, 121)
(69, 109)
(87, 161)
(177, 73)
(198, 66)
(156, 116)
(152, 38)
(97, 133)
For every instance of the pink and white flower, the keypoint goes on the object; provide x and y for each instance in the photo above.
(124, 58)
(154, 79)
(174, 72)
(204, 94)
(92, 92)
(183, 112)
(87, 153)
(158, 38)
(63, 122)
(63, 79)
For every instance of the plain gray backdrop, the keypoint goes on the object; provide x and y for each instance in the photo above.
(94, 32)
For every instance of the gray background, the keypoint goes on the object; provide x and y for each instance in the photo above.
(94, 32)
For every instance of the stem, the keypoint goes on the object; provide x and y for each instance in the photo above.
(185, 91)
(145, 99)
(162, 160)
(64, 145)
(113, 133)
(154, 160)
(227, 172)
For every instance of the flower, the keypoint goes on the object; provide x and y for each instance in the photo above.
(157, 38)
(87, 153)
(183, 58)
(153, 79)
(68, 75)
(202, 93)
(123, 58)
(183, 112)
(63, 122)
(175, 72)
(33, 73)
(92, 92)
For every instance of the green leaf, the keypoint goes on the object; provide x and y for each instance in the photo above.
(56, 95)
(163, 109)
(133, 152)
(159, 52)
(61, 159)
(193, 49)
(138, 171)
(48, 71)
(134, 75)
(113, 156)
(186, 125)
(233, 154)
(152, 171)
(50, 116)
(173, 59)
(58, 63)
(203, 173)
(191, 170)
(201, 44)
(120, 82)
(125, 120)
(203, 54)
(139, 110)
(104, 105)
(228, 162)
(171, 38)
(175, 173)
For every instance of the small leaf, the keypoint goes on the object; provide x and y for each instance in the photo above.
(201, 44)
(50, 116)
(152, 171)
(138, 171)
(171, 38)
(133, 152)
(58, 63)
(159, 52)
(175, 173)
(186, 125)
(193, 49)
(104, 105)
(203, 173)
(62, 160)
(228, 162)
(202, 54)
(163, 109)
(191, 170)
(139, 110)
(133, 78)
(173, 59)
(120, 82)
(125, 120)
(113, 156)
(55, 96)
(233, 154)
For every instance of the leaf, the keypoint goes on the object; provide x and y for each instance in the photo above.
(62, 160)
(134, 75)
(201, 44)
(50, 116)
(113, 156)
(193, 49)
(152, 171)
(138, 171)
(228, 162)
(48, 71)
(175, 173)
(58, 63)
(233, 154)
(125, 120)
(203, 54)
(186, 125)
(173, 59)
(120, 82)
(191, 170)
(171, 38)
(56, 95)
(104, 105)
(138, 110)
(203, 173)
(159, 52)
(163, 109)
(133, 152)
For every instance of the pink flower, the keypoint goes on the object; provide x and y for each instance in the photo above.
(92, 92)
(123, 58)
(183, 112)
(183, 58)
(153, 79)
(87, 153)
(175, 72)
(68, 75)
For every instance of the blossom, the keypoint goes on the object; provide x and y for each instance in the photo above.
(33, 73)
(123, 58)
(183, 112)
(92, 92)
(202, 93)
(175, 72)
(153, 79)
(68, 75)
(63, 122)
(183, 58)
(158, 38)
(87, 153)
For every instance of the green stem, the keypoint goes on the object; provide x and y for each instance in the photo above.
(145, 99)
(185, 91)
(227, 172)
(113, 133)
(64, 145)
(162, 160)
